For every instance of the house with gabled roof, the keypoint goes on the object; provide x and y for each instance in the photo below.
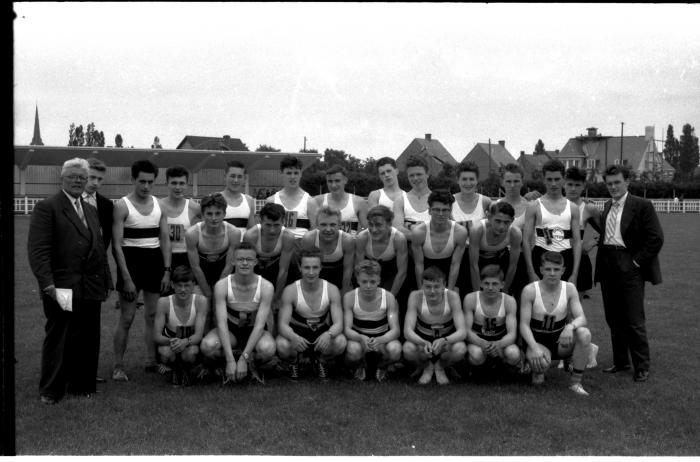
(532, 163)
(212, 143)
(431, 150)
(594, 152)
(489, 157)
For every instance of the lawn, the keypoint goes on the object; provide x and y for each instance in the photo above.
(495, 417)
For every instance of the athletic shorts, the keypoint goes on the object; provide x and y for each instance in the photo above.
(212, 270)
(311, 335)
(145, 267)
(551, 342)
(242, 334)
(179, 259)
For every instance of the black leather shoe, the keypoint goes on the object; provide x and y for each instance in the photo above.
(613, 369)
(641, 376)
(99, 379)
(47, 400)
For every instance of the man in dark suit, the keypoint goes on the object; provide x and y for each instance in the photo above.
(66, 251)
(96, 175)
(627, 257)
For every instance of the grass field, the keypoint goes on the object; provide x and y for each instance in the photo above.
(487, 418)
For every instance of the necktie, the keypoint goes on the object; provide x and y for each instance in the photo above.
(610, 224)
(81, 214)
(90, 199)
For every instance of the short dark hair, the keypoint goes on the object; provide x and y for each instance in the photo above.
(314, 252)
(175, 171)
(514, 168)
(385, 161)
(381, 211)
(235, 164)
(245, 245)
(182, 273)
(552, 257)
(337, 169)
(329, 212)
(576, 174)
(97, 164)
(213, 200)
(491, 271)
(615, 169)
(468, 166)
(433, 273)
(553, 166)
(369, 267)
(502, 207)
(290, 161)
(441, 195)
(415, 161)
(272, 212)
(145, 166)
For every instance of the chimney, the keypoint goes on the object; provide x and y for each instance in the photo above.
(227, 137)
(648, 133)
(592, 131)
(502, 143)
(428, 137)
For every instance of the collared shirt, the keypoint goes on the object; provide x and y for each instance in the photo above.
(90, 198)
(81, 213)
(616, 239)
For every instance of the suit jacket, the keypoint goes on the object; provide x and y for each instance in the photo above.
(105, 208)
(63, 252)
(642, 234)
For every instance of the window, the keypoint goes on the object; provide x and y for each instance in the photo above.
(617, 162)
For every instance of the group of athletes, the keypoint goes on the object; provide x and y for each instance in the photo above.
(423, 278)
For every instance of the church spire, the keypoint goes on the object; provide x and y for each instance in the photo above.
(36, 141)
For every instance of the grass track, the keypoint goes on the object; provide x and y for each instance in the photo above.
(492, 418)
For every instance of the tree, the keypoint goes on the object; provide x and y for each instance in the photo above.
(672, 149)
(539, 148)
(156, 143)
(689, 155)
(76, 137)
(266, 148)
(118, 141)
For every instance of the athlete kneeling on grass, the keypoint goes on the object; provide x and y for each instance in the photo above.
(311, 318)
(371, 322)
(545, 307)
(489, 315)
(434, 328)
(242, 302)
(179, 326)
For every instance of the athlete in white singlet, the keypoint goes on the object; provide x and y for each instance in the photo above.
(353, 209)
(297, 203)
(412, 207)
(181, 213)
(469, 206)
(546, 306)
(390, 191)
(240, 208)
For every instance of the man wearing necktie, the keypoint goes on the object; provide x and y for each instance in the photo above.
(627, 257)
(66, 252)
(96, 174)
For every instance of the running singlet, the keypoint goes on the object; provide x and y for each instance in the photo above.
(177, 227)
(348, 218)
(212, 262)
(442, 259)
(238, 216)
(332, 263)
(411, 216)
(496, 254)
(316, 321)
(174, 328)
(385, 200)
(468, 220)
(387, 260)
(370, 323)
(296, 219)
(430, 326)
(554, 231)
(240, 313)
(267, 260)
(544, 322)
(142, 230)
(490, 328)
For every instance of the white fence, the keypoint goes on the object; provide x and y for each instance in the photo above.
(25, 205)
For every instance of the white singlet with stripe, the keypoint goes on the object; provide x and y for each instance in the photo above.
(347, 213)
(300, 212)
(135, 220)
(178, 225)
(375, 316)
(304, 309)
(560, 310)
(275, 251)
(389, 252)
(242, 210)
(173, 321)
(447, 251)
(411, 214)
(468, 220)
(426, 316)
(557, 224)
(243, 305)
(479, 314)
(337, 253)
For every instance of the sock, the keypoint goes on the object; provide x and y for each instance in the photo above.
(576, 376)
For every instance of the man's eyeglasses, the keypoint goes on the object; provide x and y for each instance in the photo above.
(246, 260)
(76, 177)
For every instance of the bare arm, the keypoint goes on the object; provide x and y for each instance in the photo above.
(251, 216)
(220, 292)
(119, 215)
(511, 323)
(260, 318)
(460, 240)
(474, 246)
(348, 261)
(234, 238)
(409, 324)
(528, 233)
(165, 250)
(469, 307)
(392, 314)
(575, 241)
(285, 260)
(350, 333)
(191, 240)
(399, 217)
(201, 306)
(361, 207)
(159, 322)
(195, 213)
(516, 239)
(457, 317)
(373, 199)
(417, 238)
(361, 244)
(401, 248)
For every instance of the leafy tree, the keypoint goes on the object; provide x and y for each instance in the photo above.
(689, 155)
(266, 148)
(672, 149)
(539, 148)
(156, 143)
(335, 157)
(76, 136)
(118, 141)
(314, 151)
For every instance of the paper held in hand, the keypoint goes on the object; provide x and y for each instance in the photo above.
(64, 297)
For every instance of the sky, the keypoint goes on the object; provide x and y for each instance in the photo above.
(364, 78)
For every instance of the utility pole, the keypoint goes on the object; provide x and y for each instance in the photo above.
(489, 156)
(304, 144)
(622, 134)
